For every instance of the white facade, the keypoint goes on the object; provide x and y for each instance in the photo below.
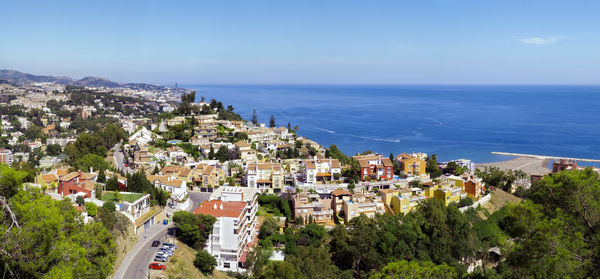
(235, 229)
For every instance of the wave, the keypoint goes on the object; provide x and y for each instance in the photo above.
(357, 136)
(325, 130)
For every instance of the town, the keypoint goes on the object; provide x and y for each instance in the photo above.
(158, 158)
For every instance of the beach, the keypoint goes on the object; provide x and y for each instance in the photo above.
(526, 164)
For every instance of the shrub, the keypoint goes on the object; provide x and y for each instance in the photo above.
(205, 262)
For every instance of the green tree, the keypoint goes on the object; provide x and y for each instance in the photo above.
(52, 240)
(193, 230)
(10, 180)
(281, 270)
(91, 161)
(112, 184)
(101, 176)
(272, 122)
(80, 201)
(53, 149)
(91, 209)
(222, 153)
(254, 117)
(417, 270)
(205, 262)
(269, 227)
(432, 167)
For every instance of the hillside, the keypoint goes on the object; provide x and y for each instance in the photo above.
(19, 78)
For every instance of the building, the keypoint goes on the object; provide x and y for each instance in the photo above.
(337, 199)
(169, 183)
(77, 182)
(267, 177)
(407, 200)
(358, 204)
(6, 156)
(473, 186)
(375, 167)
(235, 231)
(321, 170)
(310, 206)
(562, 164)
(414, 164)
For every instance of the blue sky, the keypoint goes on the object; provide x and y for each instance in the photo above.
(306, 42)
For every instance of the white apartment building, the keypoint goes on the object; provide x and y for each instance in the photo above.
(6, 156)
(235, 231)
(321, 170)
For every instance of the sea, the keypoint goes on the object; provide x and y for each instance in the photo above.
(452, 121)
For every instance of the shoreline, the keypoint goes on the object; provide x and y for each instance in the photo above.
(526, 164)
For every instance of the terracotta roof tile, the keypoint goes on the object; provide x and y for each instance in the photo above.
(219, 208)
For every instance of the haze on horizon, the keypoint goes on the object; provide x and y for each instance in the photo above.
(306, 42)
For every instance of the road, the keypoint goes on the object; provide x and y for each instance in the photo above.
(118, 158)
(135, 264)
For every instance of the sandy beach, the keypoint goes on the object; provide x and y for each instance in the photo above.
(526, 164)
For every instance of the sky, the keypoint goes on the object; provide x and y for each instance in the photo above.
(306, 42)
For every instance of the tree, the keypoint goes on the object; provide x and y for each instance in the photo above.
(269, 227)
(91, 209)
(205, 262)
(112, 184)
(101, 176)
(432, 167)
(466, 201)
(99, 191)
(211, 153)
(80, 201)
(109, 205)
(10, 180)
(193, 230)
(53, 149)
(52, 240)
(254, 117)
(272, 122)
(281, 270)
(416, 270)
(222, 154)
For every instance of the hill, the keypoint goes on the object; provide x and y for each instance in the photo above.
(19, 78)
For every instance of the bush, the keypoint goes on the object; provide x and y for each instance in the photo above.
(91, 209)
(205, 262)
(109, 205)
(466, 201)
(79, 200)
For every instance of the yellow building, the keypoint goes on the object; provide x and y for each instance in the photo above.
(414, 164)
(449, 195)
(407, 200)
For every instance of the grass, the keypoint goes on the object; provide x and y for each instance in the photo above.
(181, 265)
(499, 199)
(110, 196)
(125, 240)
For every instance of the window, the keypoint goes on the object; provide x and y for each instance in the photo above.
(226, 265)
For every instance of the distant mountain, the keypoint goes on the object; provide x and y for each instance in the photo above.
(23, 78)
(19, 78)
(96, 82)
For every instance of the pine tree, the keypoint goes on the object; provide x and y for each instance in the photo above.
(272, 122)
(254, 117)
(211, 154)
(101, 176)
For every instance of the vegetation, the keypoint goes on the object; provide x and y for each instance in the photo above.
(64, 246)
(205, 262)
(275, 205)
(193, 230)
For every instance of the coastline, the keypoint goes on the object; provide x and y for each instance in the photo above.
(526, 164)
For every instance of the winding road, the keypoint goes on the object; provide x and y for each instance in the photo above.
(135, 264)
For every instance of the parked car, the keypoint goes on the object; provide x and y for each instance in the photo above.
(171, 205)
(162, 254)
(160, 258)
(166, 251)
(158, 266)
(155, 243)
(170, 245)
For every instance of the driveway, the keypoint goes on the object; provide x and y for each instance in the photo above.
(135, 264)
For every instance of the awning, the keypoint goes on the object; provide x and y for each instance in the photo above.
(323, 174)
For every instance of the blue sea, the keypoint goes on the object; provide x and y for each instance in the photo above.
(450, 121)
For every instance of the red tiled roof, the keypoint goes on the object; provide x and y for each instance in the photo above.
(219, 208)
